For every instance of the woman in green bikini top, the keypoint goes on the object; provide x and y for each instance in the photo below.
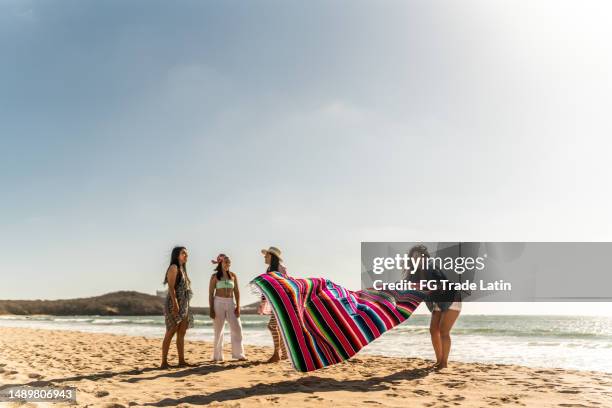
(225, 284)
(222, 291)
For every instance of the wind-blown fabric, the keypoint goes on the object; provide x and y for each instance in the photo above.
(323, 323)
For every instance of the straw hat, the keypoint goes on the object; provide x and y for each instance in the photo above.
(274, 251)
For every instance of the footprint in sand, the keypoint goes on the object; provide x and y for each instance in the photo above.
(101, 393)
(455, 384)
(367, 375)
(545, 372)
(421, 392)
(506, 399)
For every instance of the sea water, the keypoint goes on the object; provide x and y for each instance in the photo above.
(574, 342)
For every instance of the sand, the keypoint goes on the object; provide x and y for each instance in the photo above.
(116, 371)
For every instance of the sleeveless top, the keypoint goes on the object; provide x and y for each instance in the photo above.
(179, 277)
(225, 284)
(184, 294)
(441, 298)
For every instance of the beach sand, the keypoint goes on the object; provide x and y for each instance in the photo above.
(115, 371)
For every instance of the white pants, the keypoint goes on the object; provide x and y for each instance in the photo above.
(224, 310)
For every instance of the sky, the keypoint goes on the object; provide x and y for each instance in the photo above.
(129, 127)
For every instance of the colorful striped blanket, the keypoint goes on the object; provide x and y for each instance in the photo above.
(323, 323)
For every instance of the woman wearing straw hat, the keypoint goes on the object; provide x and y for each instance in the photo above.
(273, 259)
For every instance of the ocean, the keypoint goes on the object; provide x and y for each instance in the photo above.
(573, 342)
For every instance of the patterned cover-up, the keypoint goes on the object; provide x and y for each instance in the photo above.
(183, 296)
(323, 323)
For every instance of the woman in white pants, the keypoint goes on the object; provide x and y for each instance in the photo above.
(223, 289)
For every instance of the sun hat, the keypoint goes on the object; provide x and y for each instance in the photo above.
(274, 251)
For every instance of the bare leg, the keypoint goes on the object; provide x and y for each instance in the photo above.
(449, 317)
(273, 327)
(166, 346)
(180, 341)
(436, 341)
(281, 345)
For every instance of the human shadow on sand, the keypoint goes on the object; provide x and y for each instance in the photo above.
(173, 372)
(203, 369)
(310, 384)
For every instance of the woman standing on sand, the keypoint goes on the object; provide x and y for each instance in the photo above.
(221, 293)
(444, 306)
(323, 323)
(272, 258)
(176, 308)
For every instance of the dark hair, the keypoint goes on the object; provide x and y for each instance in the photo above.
(421, 249)
(274, 263)
(423, 252)
(219, 269)
(174, 260)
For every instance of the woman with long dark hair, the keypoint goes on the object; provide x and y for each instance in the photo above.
(272, 258)
(222, 291)
(176, 308)
(444, 306)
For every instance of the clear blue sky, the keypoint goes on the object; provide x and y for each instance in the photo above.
(129, 127)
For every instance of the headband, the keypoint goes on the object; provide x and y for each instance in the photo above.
(220, 259)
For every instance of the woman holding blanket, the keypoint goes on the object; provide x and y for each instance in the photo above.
(444, 306)
(321, 322)
(222, 291)
(272, 258)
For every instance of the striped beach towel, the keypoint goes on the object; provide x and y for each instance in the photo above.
(323, 323)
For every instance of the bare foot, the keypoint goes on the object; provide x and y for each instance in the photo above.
(164, 365)
(433, 366)
(275, 358)
(185, 364)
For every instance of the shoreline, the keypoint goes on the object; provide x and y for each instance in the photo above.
(507, 340)
(121, 370)
(363, 352)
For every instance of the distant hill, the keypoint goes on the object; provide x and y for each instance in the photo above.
(127, 303)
